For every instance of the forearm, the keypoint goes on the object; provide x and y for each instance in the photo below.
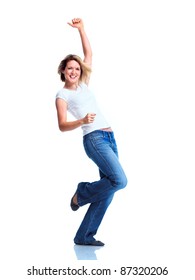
(70, 125)
(87, 51)
(67, 126)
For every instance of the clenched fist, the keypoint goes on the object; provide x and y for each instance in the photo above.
(76, 23)
(89, 118)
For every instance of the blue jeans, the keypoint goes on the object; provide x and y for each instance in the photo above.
(100, 146)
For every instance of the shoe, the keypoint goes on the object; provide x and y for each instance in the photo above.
(93, 243)
(73, 206)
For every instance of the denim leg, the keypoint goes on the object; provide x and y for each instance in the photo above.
(101, 147)
(92, 221)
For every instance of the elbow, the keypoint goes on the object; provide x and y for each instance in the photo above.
(61, 128)
(91, 54)
(88, 58)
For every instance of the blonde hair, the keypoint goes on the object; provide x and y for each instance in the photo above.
(85, 69)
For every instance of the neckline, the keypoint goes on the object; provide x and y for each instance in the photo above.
(73, 90)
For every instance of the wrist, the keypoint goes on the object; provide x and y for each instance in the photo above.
(81, 29)
(81, 121)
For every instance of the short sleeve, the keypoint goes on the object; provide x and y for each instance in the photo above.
(61, 95)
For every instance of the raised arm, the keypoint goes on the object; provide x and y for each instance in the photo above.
(87, 51)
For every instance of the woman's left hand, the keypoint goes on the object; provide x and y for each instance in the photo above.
(76, 23)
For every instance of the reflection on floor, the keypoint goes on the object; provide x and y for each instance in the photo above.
(86, 252)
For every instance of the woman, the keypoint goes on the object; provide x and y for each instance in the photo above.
(98, 139)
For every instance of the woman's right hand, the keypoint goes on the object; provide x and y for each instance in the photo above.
(89, 118)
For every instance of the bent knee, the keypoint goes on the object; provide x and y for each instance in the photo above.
(121, 183)
(124, 182)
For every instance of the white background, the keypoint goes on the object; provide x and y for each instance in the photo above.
(143, 77)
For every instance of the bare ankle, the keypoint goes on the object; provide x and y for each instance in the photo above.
(75, 199)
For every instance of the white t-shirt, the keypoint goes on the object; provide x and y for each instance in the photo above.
(81, 102)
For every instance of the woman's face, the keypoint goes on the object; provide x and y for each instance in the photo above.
(72, 72)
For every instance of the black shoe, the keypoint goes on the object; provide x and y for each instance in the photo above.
(93, 243)
(73, 206)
